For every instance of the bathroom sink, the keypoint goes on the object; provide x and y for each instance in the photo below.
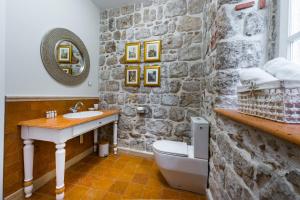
(81, 115)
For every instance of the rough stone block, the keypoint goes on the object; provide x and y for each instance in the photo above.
(176, 8)
(190, 100)
(188, 23)
(115, 12)
(112, 24)
(254, 24)
(177, 114)
(110, 47)
(159, 127)
(160, 113)
(124, 22)
(117, 73)
(170, 100)
(278, 189)
(195, 70)
(142, 33)
(183, 129)
(127, 9)
(191, 86)
(178, 70)
(112, 86)
(111, 60)
(129, 111)
(238, 54)
(104, 74)
(190, 53)
(173, 42)
(174, 86)
(160, 29)
(195, 6)
(137, 18)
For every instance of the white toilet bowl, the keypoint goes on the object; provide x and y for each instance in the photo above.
(178, 166)
(185, 166)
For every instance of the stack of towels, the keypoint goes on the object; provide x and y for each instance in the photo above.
(274, 70)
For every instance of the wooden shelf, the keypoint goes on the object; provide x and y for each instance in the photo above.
(288, 132)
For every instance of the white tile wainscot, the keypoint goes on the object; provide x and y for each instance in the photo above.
(59, 137)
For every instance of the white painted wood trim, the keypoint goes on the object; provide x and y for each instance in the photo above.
(46, 98)
(284, 29)
(2, 87)
(40, 182)
(134, 152)
(208, 194)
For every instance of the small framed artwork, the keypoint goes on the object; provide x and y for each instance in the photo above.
(152, 76)
(132, 76)
(64, 54)
(133, 52)
(67, 70)
(152, 51)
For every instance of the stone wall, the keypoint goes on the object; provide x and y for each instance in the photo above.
(205, 43)
(178, 23)
(244, 163)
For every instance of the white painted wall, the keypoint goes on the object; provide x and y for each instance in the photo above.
(27, 22)
(2, 89)
(104, 4)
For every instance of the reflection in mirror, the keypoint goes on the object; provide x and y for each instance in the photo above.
(69, 58)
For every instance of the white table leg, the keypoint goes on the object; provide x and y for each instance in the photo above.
(28, 151)
(60, 155)
(95, 139)
(115, 137)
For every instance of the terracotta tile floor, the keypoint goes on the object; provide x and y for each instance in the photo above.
(117, 177)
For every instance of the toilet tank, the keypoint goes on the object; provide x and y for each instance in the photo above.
(200, 134)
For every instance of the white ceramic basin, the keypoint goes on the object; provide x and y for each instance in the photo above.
(80, 115)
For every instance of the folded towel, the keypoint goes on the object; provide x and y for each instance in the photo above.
(283, 69)
(254, 75)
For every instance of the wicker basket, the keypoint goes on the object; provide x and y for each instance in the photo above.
(278, 101)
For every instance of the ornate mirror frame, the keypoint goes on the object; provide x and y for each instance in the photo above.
(48, 48)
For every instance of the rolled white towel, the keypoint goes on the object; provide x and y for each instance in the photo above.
(283, 69)
(254, 75)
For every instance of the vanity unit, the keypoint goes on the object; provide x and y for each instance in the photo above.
(59, 130)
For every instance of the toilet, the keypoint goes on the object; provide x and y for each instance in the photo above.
(185, 166)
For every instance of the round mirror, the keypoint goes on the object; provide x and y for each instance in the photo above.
(69, 58)
(65, 57)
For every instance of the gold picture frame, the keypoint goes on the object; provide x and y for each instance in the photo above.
(152, 76)
(152, 51)
(64, 54)
(133, 52)
(132, 76)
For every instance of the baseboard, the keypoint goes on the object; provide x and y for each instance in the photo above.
(144, 154)
(38, 183)
(208, 194)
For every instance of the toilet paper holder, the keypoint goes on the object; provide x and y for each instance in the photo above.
(141, 110)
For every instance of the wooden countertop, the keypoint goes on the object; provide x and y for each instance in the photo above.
(61, 123)
(288, 132)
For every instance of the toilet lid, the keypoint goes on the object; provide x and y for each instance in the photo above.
(171, 148)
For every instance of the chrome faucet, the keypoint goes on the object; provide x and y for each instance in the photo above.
(78, 105)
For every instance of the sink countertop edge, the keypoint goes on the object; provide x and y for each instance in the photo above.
(60, 122)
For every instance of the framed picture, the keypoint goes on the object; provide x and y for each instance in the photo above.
(132, 76)
(152, 51)
(133, 52)
(152, 76)
(64, 54)
(67, 70)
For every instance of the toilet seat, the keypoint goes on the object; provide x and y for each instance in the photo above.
(171, 148)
